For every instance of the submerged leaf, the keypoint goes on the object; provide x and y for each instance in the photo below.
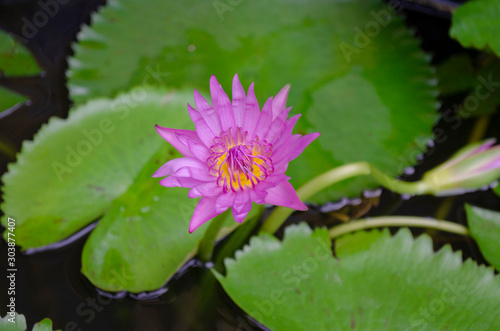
(478, 84)
(456, 75)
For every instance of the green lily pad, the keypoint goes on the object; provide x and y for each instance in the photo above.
(99, 162)
(476, 24)
(143, 239)
(43, 325)
(485, 229)
(15, 58)
(397, 283)
(354, 243)
(314, 47)
(19, 324)
(76, 167)
(9, 99)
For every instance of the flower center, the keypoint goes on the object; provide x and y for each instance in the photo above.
(237, 163)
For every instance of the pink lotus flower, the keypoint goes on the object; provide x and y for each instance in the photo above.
(238, 154)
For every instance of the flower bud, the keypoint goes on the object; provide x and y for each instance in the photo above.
(471, 168)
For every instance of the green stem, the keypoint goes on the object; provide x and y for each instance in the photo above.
(479, 129)
(280, 214)
(444, 208)
(208, 242)
(8, 150)
(396, 185)
(409, 221)
(236, 240)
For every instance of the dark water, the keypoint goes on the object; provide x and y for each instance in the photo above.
(49, 283)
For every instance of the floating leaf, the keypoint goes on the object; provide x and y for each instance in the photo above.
(350, 244)
(43, 325)
(143, 239)
(359, 89)
(76, 167)
(485, 229)
(8, 99)
(19, 324)
(397, 283)
(15, 58)
(476, 24)
(100, 161)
